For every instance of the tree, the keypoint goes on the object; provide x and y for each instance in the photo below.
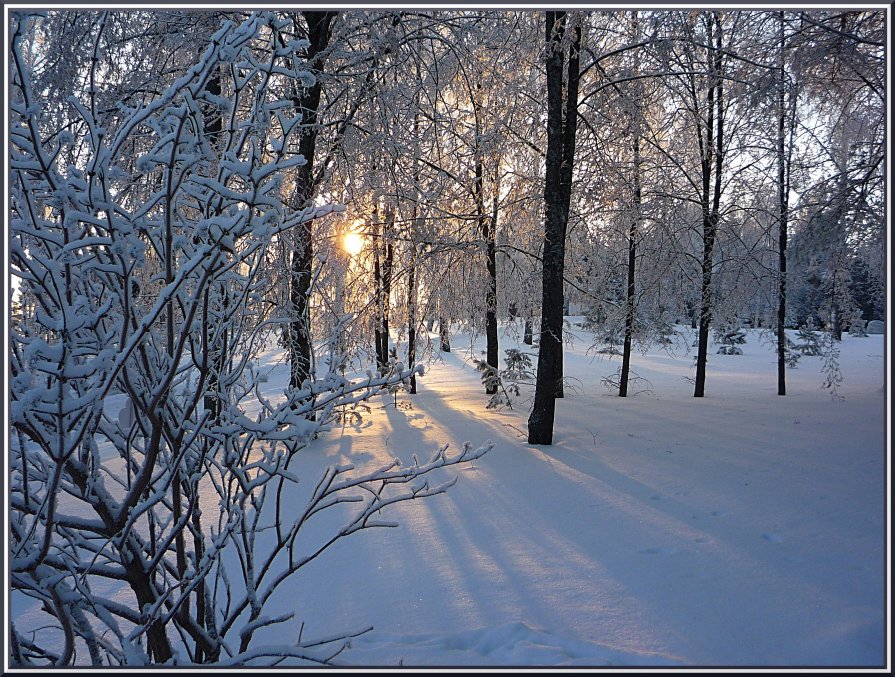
(563, 75)
(785, 128)
(306, 100)
(710, 137)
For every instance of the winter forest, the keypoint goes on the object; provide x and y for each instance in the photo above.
(439, 338)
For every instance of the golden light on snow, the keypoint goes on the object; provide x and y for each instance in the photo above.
(353, 243)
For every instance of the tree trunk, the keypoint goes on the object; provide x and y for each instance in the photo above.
(492, 347)
(411, 272)
(527, 333)
(411, 319)
(783, 203)
(632, 257)
(562, 114)
(387, 266)
(445, 335)
(712, 162)
(307, 103)
(381, 358)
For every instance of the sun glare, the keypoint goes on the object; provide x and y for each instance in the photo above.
(353, 243)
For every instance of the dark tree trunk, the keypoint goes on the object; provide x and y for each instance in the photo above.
(411, 308)
(156, 638)
(527, 334)
(492, 346)
(562, 114)
(486, 228)
(411, 320)
(381, 358)
(387, 266)
(411, 272)
(308, 104)
(632, 258)
(712, 162)
(783, 203)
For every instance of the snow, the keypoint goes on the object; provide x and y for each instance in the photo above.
(741, 529)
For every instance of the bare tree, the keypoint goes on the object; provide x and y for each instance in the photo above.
(563, 56)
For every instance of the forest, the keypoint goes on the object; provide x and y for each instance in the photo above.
(241, 243)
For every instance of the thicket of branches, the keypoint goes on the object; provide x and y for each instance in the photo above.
(138, 460)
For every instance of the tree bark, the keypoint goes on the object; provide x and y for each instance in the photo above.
(783, 203)
(411, 272)
(492, 348)
(308, 104)
(712, 163)
(444, 334)
(632, 258)
(411, 316)
(562, 114)
(381, 358)
(387, 267)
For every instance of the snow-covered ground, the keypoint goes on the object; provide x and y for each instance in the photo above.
(742, 529)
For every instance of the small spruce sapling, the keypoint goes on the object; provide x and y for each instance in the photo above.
(518, 366)
(809, 343)
(729, 338)
(507, 380)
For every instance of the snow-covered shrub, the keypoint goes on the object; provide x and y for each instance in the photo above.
(729, 338)
(809, 342)
(491, 380)
(134, 389)
(506, 381)
(856, 328)
(663, 330)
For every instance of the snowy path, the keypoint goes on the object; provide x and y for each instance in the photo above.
(742, 529)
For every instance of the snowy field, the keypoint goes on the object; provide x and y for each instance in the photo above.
(742, 529)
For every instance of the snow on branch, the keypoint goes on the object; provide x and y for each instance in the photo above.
(140, 239)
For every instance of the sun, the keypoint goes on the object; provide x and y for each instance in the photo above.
(353, 243)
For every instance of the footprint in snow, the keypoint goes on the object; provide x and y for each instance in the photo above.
(773, 538)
